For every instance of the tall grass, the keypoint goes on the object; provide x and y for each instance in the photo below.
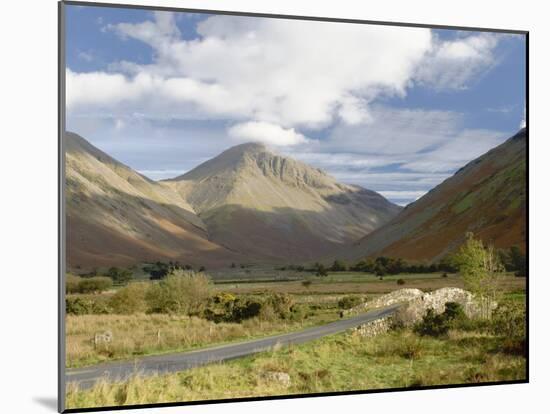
(142, 334)
(338, 363)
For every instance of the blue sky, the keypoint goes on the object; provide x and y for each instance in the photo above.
(393, 109)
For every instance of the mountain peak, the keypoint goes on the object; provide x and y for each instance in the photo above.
(247, 150)
(249, 147)
(248, 203)
(253, 176)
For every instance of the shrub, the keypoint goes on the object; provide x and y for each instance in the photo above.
(78, 306)
(225, 307)
(299, 312)
(130, 299)
(224, 298)
(220, 307)
(454, 311)
(433, 324)
(119, 276)
(245, 309)
(400, 282)
(181, 292)
(71, 283)
(348, 302)
(267, 313)
(94, 284)
(338, 266)
(281, 304)
(444, 275)
(320, 270)
(509, 320)
(84, 306)
(306, 283)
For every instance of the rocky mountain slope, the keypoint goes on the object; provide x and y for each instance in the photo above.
(116, 216)
(256, 201)
(247, 204)
(487, 197)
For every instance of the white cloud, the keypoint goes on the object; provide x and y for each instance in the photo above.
(103, 90)
(267, 133)
(455, 153)
(290, 73)
(85, 56)
(396, 131)
(451, 64)
(401, 153)
(523, 122)
(279, 74)
(274, 79)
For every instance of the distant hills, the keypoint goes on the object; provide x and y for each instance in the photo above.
(273, 207)
(246, 205)
(487, 197)
(117, 217)
(250, 204)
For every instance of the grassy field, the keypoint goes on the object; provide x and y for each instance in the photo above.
(354, 283)
(147, 334)
(338, 363)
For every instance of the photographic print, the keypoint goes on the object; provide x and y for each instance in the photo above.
(262, 206)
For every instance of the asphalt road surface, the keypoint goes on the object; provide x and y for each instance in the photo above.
(161, 364)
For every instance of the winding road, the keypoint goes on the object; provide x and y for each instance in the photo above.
(174, 362)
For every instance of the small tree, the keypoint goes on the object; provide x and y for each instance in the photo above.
(338, 266)
(96, 284)
(321, 271)
(119, 276)
(129, 299)
(380, 270)
(480, 267)
(181, 292)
